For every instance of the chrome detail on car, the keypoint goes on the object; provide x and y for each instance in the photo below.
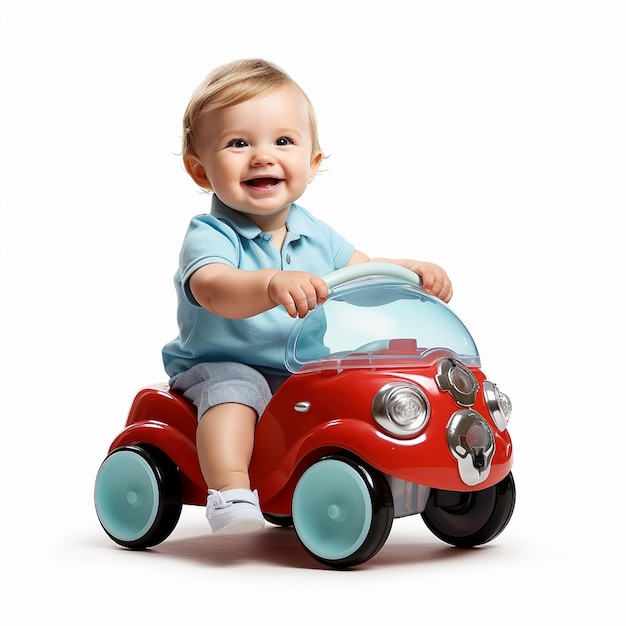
(302, 407)
(401, 409)
(455, 378)
(408, 498)
(472, 443)
(499, 405)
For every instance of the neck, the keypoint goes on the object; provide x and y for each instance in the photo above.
(270, 223)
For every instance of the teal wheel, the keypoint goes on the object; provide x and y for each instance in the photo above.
(342, 511)
(138, 496)
(467, 519)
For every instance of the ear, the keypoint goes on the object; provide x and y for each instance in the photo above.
(316, 161)
(196, 170)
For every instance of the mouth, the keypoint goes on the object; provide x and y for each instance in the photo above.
(263, 182)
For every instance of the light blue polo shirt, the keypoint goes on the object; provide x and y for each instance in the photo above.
(228, 237)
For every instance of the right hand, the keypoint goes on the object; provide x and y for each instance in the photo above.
(298, 292)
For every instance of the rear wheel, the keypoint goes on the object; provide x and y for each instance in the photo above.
(342, 511)
(138, 496)
(467, 519)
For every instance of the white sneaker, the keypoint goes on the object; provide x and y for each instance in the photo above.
(234, 511)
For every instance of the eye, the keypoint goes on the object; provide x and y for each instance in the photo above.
(237, 143)
(284, 141)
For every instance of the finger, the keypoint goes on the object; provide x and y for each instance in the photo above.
(316, 292)
(428, 279)
(321, 290)
(443, 288)
(437, 284)
(290, 306)
(445, 293)
(304, 301)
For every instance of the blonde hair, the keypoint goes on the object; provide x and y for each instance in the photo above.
(232, 84)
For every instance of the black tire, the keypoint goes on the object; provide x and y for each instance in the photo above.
(138, 496)
(467, 519)
(342, 511)
(279, 520)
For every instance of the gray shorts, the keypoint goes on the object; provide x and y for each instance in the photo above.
(210, 384)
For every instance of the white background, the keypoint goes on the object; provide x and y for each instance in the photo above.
(484, 136)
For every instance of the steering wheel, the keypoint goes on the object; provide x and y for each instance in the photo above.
(370, 269)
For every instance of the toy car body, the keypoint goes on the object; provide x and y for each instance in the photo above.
(387, 413)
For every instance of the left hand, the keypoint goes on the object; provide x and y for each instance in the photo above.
(434, 278)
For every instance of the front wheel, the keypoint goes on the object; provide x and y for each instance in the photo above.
(138, 496)
(342, 511)
(466, 519)
(284, 521)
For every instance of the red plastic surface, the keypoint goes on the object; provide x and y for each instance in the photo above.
(339, 419)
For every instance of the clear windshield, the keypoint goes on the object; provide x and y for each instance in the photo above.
(376, 319)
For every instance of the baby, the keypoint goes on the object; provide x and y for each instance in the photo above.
(249, 267)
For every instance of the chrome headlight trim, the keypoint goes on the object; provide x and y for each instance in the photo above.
(499, 405)
(472, 444)
(401, 409)
(455, 378)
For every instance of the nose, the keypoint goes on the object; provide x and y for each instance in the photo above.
(262, 156)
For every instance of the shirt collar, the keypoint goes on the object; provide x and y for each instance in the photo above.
(297, 224)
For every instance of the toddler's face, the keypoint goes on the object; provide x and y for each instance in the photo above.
(257, 156)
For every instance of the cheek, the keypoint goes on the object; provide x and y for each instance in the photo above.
(301, 167)
(225, 168)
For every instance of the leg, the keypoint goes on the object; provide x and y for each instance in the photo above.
(229, 398)
(225, 439)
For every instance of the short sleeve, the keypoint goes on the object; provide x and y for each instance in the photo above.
(208, 240)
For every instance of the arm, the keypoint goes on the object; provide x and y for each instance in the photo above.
(235, 293)
(434, 278)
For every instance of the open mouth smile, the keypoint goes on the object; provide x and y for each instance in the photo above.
(263, 183)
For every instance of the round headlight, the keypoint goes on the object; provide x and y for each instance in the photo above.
(499, 405)
(401, 409)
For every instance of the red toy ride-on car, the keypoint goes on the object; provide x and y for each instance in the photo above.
(387, 413)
